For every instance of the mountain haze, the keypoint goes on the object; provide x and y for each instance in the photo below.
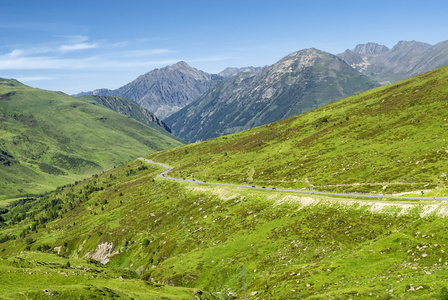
(301, 81)
(404, 60)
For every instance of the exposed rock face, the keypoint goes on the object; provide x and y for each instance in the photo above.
(229, 72)
(102, 252)
(404, 60)
(166, 90)
(370, 49)
(299, 82)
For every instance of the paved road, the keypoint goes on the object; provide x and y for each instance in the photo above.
(164, 176)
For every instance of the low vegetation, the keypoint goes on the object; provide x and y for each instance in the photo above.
(219, 242)
(48, 139)
(387, 140)
(126, 233)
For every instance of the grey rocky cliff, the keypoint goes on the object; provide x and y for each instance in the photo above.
(166, 90)
(404, 60)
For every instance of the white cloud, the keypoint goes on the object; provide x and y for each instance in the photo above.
(15, 53)
(40, 62)
(79, 46)
(8, 62)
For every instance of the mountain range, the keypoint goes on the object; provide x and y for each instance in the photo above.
(166, 90)
(404, 60)
(299, 82)
(227, 105)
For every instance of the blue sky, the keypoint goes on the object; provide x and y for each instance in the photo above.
(75, 46)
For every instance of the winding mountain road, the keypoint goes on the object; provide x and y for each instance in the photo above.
(167, 169)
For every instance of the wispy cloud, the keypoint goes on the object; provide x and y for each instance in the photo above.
(75, 47)
(8, 62)
(35, 78)
(15, 53)
(39, 62)
(76, 43)
(59, 56)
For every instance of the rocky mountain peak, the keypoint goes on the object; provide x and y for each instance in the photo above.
(299, 60)
(232, 71)
(181, 65)
(410, 46)
(370, 49)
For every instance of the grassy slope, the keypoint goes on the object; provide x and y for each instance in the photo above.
(199, 237)
(388, 139)
(38, 275)
(131, 109)
(48, 139)
(290, 246)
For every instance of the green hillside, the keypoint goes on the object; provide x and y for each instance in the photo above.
(389, 139)
(127, 233)
(48, 139)
(128, 108)
(161, 238)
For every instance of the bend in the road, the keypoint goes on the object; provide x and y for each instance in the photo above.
(167, 169)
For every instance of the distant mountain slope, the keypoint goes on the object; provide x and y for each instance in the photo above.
(128, 108)
(166, 90)
(388, 139)
(404, 60)
(299, 82)
(48, 139)
(229, 72)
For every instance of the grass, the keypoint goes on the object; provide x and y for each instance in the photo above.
(198, 237)
(49, 139)
(387, 140)
(51, 277)
(129, 108)
(194, 240)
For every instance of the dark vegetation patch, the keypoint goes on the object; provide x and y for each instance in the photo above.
(6, 159)
(7, 96)
(46, 168)
(27, 119)
(76, 164)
